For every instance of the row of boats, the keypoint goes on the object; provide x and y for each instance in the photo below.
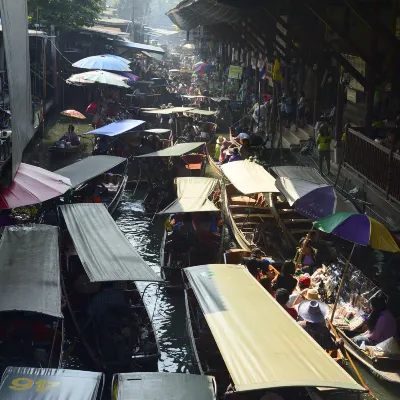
(243, 344)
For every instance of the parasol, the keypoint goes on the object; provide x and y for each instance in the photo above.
(102, 62)
(125, 60)
(73, 114)
(359, 229)
(101, 77)
(92, 108)
(32, 185)
(311, 199)
(131, 78)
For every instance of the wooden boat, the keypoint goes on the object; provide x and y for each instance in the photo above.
(64, 150)
(103, 173)
(31, 322)
(221, 319)
(163, 385)
(203, 245)
(107, 309)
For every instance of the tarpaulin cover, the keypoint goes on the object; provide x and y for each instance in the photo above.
(22, 383)
(164, 385)
(192, 196)
(304, 173)
(30, 270)
(313, 200)
(189, 14)
(105, 253)
(157, 57)
(158, 131)
(117, 128)
(14, 19)
(88, 168)
(201, 112)
(249, 177)
(139, 46)
(175, 151)
(33, 185)
(167, 111)
(261, 344)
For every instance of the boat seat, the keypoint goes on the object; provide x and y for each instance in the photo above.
(243, 200)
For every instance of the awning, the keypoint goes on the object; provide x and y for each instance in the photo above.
(30, 270)
(189, 14)
(21, 383)
(157, 57)
(117, 128)
(249, 177)
(104, 251)
(175, 151)
(201, 112)
(139, 46)
(88, 168)
(192, 196)
(165, 385)
(32, 185)
(166, 111)
(304, 173)
(261, 344)
(158, 131)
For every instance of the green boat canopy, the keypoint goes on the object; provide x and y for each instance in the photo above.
(22, 383)
(88, 168)
(164, 385)
(105, 253)
(174, 151)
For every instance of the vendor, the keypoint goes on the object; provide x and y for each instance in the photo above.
(381, 324)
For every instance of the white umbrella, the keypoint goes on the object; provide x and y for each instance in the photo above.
(101, 77)
(103, 62)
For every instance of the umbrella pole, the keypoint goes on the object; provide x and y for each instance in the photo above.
(346, 267)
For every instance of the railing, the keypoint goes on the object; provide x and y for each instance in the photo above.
(379, 165)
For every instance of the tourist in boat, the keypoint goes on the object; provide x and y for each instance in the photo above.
(303, 284)
(285, 279)
(313, 314)
(218, 146)
(70, 136)
(381, 324)
(255, 264)
(224, 148)
(282, 297)
(234, 155)
(245, 149)
(190, 131)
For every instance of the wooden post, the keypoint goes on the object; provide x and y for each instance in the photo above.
(339, 108)
(54, 63)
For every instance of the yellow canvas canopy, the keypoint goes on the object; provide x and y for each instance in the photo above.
(249, 177)
(261, 344)
(166, 111)
(192, 196)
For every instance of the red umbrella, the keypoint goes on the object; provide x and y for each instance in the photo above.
(32, 185)
(92, 108)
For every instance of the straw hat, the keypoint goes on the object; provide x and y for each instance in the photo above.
(220, 139)
(313, 311)
(311, 294)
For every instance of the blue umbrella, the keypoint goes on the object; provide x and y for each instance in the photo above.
(126, 61)
(102, 62)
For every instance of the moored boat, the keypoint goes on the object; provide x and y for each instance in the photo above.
(66, 150)
(163, 385)
(98, 179)
(31, 323)
(191, 233)
(46, 383)
(101, 266)
(227, 330)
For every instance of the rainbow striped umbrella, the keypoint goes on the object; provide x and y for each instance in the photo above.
(359, 229)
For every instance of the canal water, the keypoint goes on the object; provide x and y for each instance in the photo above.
(145, 234)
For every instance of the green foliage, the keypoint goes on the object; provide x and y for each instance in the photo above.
(64, 13)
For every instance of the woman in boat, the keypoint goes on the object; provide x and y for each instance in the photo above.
(381, 324)
(70, 136)
(218, 147)
(224, 148)
(285, 279)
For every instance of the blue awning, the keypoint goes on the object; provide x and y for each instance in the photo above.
(117, 128)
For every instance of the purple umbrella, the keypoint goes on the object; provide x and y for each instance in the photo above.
(132, 77)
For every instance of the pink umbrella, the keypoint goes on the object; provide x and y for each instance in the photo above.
(32, 185)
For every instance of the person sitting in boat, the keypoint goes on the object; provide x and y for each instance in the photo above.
(282, 297)
(285, 279)
(95, 190)
(234, 155)
(217, 153)
(381, 324)
(245, 149)
(70, 136)
(224, 148)
(313, 314)
(255, 263)
(303, 284)
(190, 131)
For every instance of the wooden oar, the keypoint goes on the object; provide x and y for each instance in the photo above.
(364, 385)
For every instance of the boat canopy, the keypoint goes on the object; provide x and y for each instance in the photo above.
(30, 270)
(174, 151)
(48, 384)
(166, 111)
(192, 196)
(261, 344)
(164, 385)
(249, 177)
(201, 112)
(117, 128)
(88, 168)
(158, 131)
(104, 251)
(304, 173)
